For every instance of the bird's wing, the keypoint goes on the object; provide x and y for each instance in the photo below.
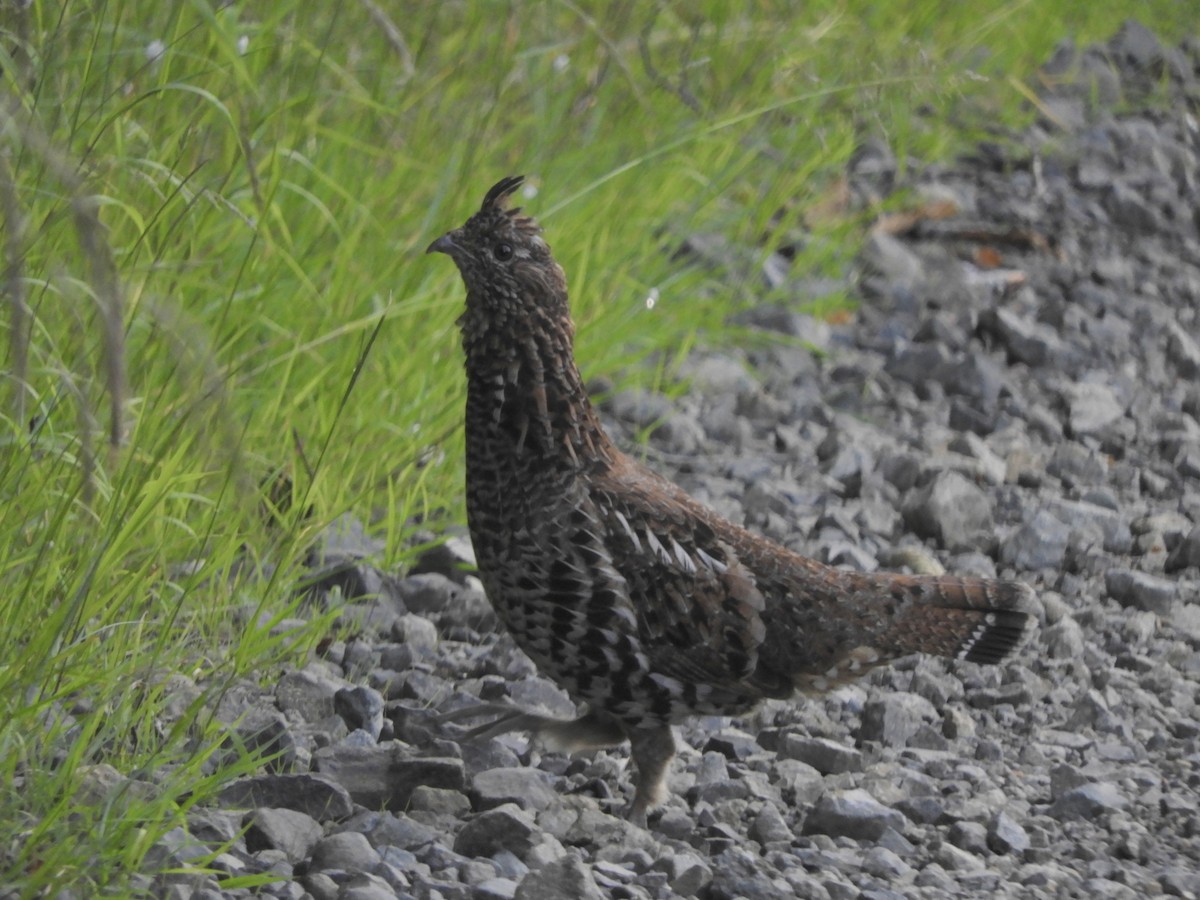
(698, 608)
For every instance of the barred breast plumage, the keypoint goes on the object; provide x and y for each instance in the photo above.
(643, 604)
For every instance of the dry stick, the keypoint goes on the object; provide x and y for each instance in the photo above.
(92, 240)
(14, 286)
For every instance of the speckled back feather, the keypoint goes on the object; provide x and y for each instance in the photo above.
(642, 603)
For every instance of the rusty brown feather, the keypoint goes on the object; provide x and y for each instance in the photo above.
(644, 605)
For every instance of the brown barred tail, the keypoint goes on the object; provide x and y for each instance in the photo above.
(966, 618)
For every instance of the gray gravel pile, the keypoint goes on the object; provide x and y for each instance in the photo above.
(1019, 395)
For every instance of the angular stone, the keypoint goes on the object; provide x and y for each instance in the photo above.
(949, 509)
(428, 592)
(1186, 553)
(687, 873)
(1040, 543)
(769, 827)
(1092, 408)
(506, 827)
(1141, 590)
(852, 813)
(360, 708)
(1088, 801)
(566, 877)
(293, 832)
(826, 756)
(348, 850)
(321, 798)
(893, 718)
(307, 693)
(384, 776)
(527, 788)
(1004, 835)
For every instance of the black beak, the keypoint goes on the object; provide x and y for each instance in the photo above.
(444, 244)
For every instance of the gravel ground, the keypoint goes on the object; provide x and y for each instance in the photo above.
(1019, 395)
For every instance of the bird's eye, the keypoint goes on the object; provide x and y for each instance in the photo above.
(503, 251)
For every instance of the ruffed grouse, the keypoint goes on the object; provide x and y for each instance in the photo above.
(640, 602)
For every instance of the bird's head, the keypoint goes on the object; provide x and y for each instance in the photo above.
(507, 267)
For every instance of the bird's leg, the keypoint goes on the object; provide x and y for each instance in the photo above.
(653, 749)
(588, 732)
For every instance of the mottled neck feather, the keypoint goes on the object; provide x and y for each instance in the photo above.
(525, 393)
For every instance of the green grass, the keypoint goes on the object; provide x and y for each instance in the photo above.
(261, 179)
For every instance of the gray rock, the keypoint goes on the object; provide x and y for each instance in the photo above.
(969, 836)
(365, 886)
(893, 718)
(527, 788)
(321, 798)
(889, 257)
(495, 889)
(360, 708)
(566, 877)
(439, 801)
(348, 850)
(826, 756)
(687, 873)
(1092, 408)
(1075, 464)
(1186, 553)
(427, 592)
(852, 813)
(384, 776)
(506, 827)
(1088, 801)
(1141, 590)
(798, 781)
(949, 509)
(1027, 341)
(738, 873)
(1183, 350)
(293, 832)
(1004, 835)
(416, 631)
(769, 827)
(1063, 640)
(1040, 543)
(307, 693)
(452, 558)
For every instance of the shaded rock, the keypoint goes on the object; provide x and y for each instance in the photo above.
(949, 509)
(427, 592)
(1088, 801)
(293, 832)
(1004, 835)
(506, 827)
(1186, 553)
(451, 559)
(360, 708)
(824, 755)
(1092, 408)
(348, 851)
(384, 776)
(307, 693)
(1141, 590)
(687, 873)
(895, 717)
(527, 788)
(566, 877)
(321, 798)
(1039, 543)
(852, 813)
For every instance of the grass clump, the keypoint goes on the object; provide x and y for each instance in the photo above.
(214, 216)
